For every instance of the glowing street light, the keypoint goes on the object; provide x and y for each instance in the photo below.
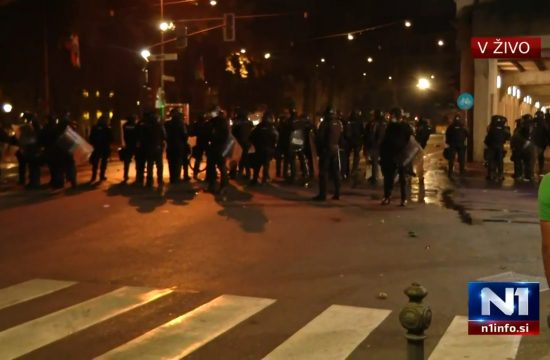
(145, 53)
(323, 60)
(408, 23)
(213, 3)
(7, 107)
(432, 77)
(369, 59)
(243, 51)
(165, 26)
(364, 74)
(440, 43)
(350, 36)
(267, 55)
(423, 84)
(389, 77)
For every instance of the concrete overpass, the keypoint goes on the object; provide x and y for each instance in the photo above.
(509, 87)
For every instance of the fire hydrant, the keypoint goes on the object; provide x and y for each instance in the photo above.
(416, 318)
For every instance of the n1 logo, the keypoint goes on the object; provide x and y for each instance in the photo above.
(503, 308)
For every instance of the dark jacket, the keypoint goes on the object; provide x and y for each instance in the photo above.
(152, 137)
(497, 136)
(264, 138)
(219, 134)
(329, 136)
(242, 127)
(176, 136)
(374, 134)
(423, 132)
(130, 133)
(353, 131)
(395, 141)
(101, 138)
(540, 133)
(456, 135)
(201, 130)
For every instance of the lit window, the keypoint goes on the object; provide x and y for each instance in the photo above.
(86, 115)
(98, 114)
(85, 93)
(499, 81)
(111, 94)
(97, 93)
(110, 114)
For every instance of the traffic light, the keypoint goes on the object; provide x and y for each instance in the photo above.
(181, 40)
(229, 27)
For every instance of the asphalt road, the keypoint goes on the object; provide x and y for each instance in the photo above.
(263, 272)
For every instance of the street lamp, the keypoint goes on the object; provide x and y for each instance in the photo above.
(423, 84)
(440, 43)
(350, 37)
(145, 53)
(408, 23)
(7, 107)
(213, 3)
(267, 55)
(389, 77)
(322, 60)
(364, 74)
(432, 77)
(369, 59)
(165, 26)
(243, 51)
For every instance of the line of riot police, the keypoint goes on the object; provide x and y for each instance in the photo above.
(528, 143)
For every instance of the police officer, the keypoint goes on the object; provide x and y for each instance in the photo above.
(67, 165)
(176, 141)
(101, 138)
(423, 131)
(497, 135)
(28, 154)
(48, 137)
(374, 134)
(456, 137)
(130, 135)
(242, 127)
(353, 133)
(523, 149)
(300, 128)
(283, 146)
(328, 147)
(218, 146)
(396, 138)
(153, 138)
(541, 136)
(200, 130)
(264, 138)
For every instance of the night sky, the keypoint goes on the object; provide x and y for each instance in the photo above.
(112, 33)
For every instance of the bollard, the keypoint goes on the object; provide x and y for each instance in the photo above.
(416, 318)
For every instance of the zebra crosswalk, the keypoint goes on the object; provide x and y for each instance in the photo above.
(334, 333)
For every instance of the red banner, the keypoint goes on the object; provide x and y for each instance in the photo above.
(506, 47)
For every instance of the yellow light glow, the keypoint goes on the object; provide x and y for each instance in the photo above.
(350, 36)
(267, 56)
(423, 84)
(111, 114)
(408, 23)
(97, 93)
(86, 115)
(85, 93)
(111, 94)
(370, 59)
(98, 114)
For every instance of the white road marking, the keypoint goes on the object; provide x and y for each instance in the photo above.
(185, 334)
(29, 290)
(457, 344)
(29, 336)
(334, 334)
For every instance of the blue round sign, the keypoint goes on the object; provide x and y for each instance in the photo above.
(465, 101)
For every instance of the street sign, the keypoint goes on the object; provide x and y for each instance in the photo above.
(465, 101)
(169, 78)
(165, 57)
